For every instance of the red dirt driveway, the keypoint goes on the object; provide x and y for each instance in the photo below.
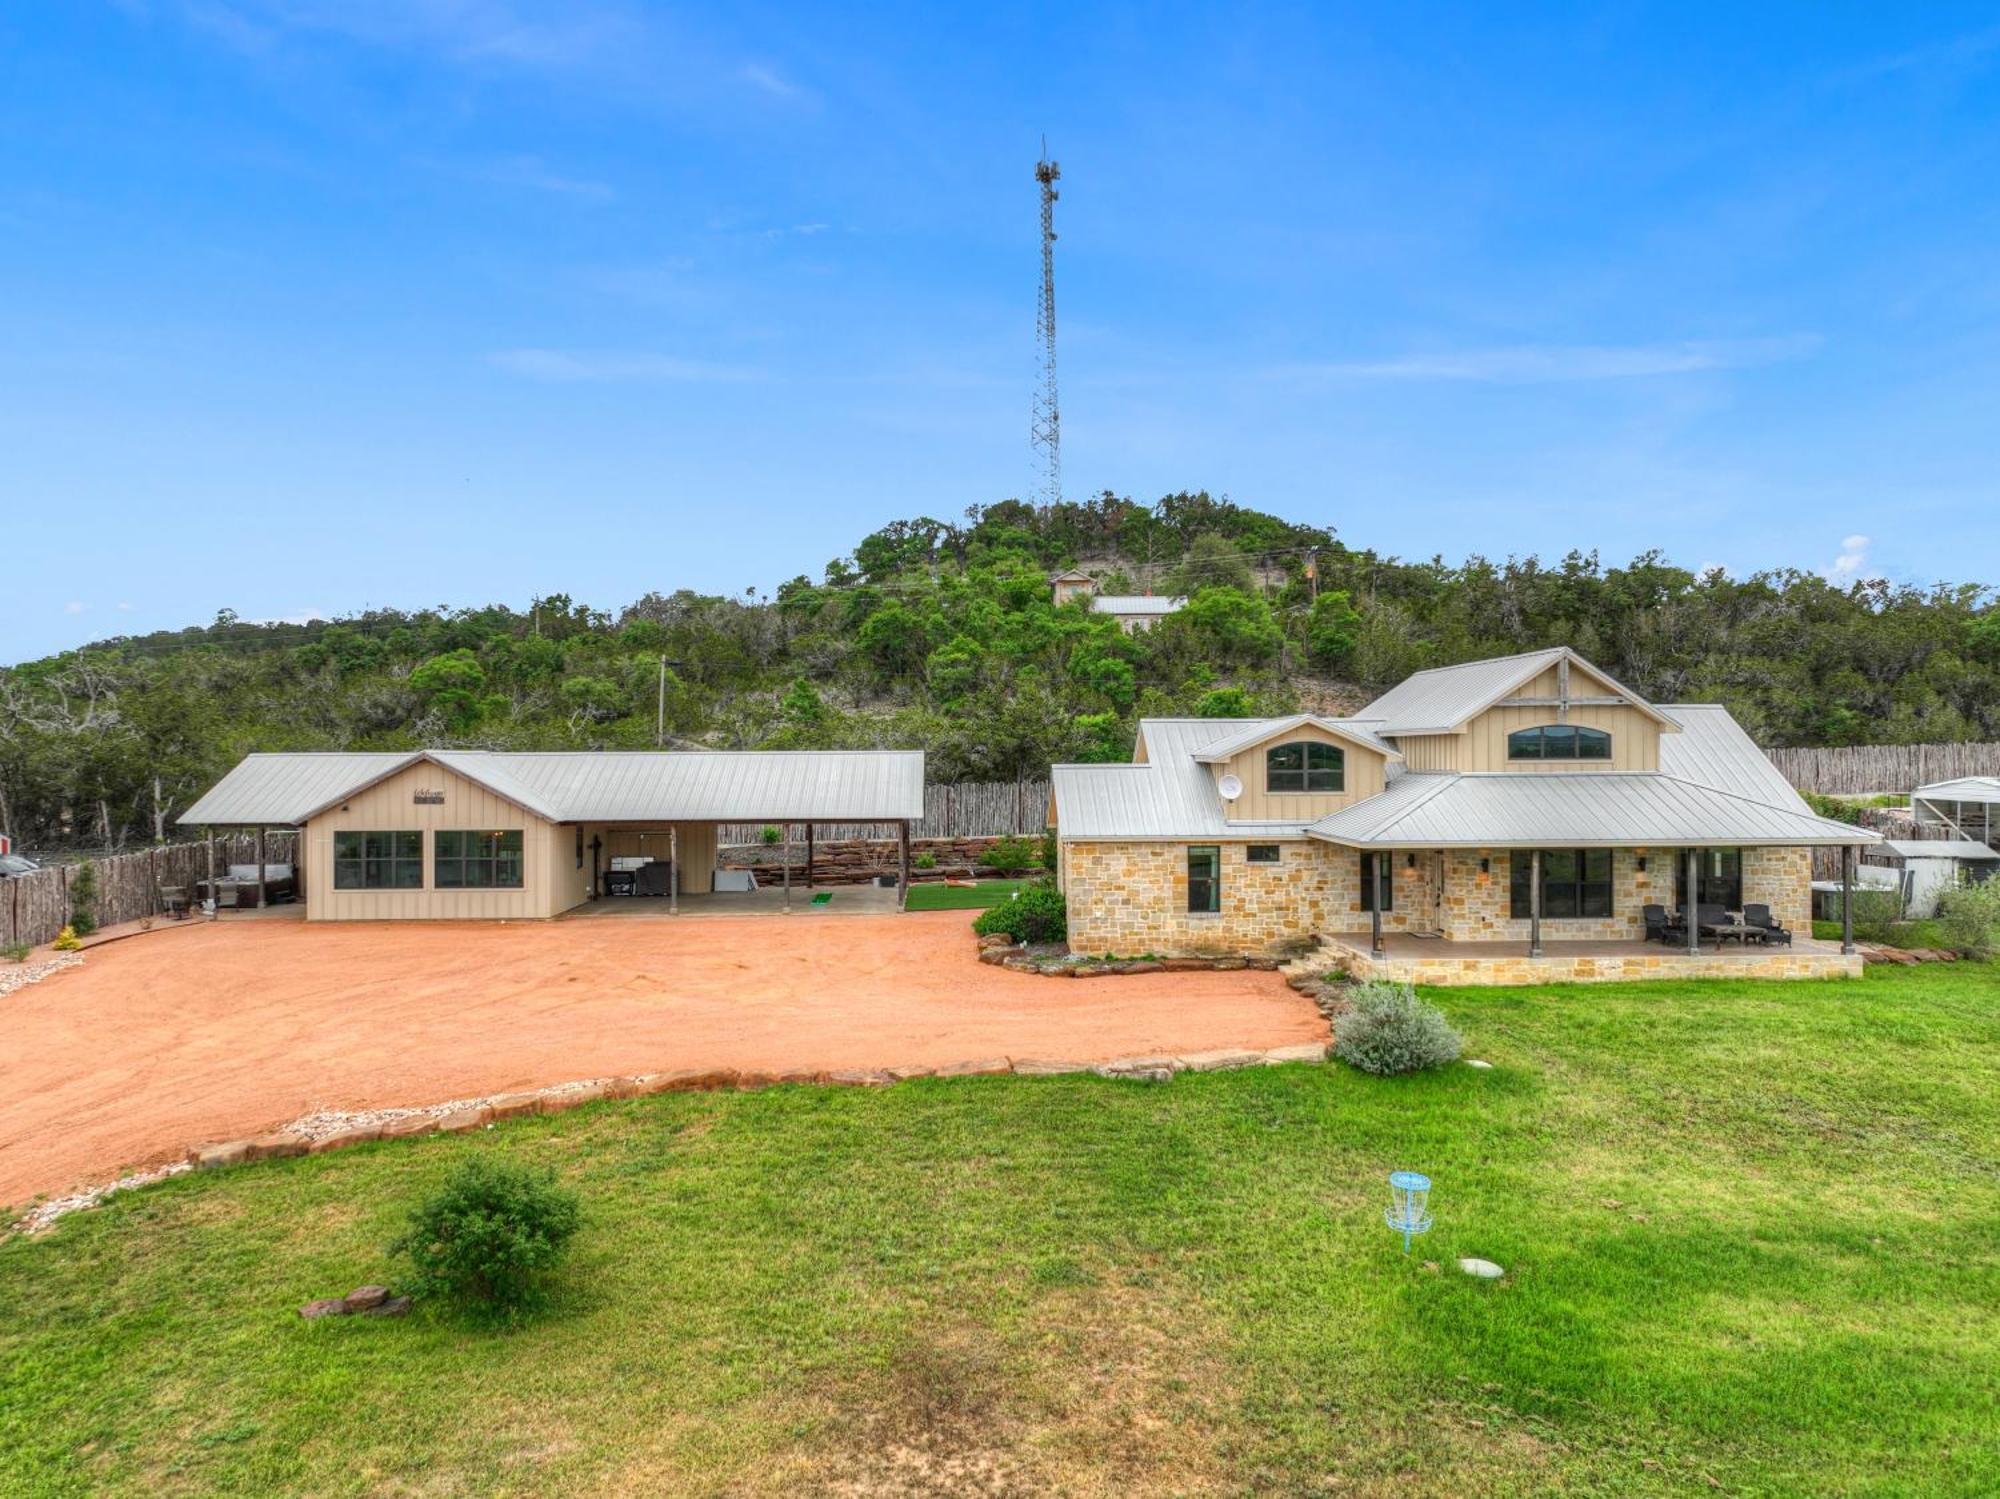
(182, 1036)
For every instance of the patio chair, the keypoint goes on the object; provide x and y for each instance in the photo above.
(174, 901)
(1658, 923)
(1711, 919)
(1769, 929)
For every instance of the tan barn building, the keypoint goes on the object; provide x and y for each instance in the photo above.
(442, 834)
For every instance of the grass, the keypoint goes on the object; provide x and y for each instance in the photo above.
(940, 897)
(1915, 932)
(1750, 1233)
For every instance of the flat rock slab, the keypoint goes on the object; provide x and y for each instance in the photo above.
(984, 1067)
(460, 1120)
(275, 1147)
(1042, 1067)
(395, 1306)
(1216, 1061)
(361, 1134)
(1481, 1269)
(1309, 1051)
(515, 1105)
(408, 1125)
(361, 1298)
(326, 1306)
(1482, 1066)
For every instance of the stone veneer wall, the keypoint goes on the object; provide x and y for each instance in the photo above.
(1132, 898)
(1656, 963)
(1781, 878)
(1476, 906)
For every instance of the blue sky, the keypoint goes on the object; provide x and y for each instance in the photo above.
(308, 305)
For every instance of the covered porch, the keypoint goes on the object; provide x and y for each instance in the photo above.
(766, 900)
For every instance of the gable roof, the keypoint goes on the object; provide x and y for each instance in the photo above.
(1135, 603)
(593, 785)
(1964, 789)
(1938, 848)
(1440, 700)
(1231, 745)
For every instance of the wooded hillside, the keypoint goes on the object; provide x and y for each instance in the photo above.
(943, 636)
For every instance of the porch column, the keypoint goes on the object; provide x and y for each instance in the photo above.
(785, 858)
(215, 902)
(260, 868)
(1375, 915)
(1847, 897)
(903, 864)
(674, 870)
(1691, 908)
(1535, 903)
(809, 858)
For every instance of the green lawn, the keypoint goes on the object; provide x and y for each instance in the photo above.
(961, 898)
(1751, 1233)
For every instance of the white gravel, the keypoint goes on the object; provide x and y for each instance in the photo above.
(19, 975)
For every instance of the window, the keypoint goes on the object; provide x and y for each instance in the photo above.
(378, 861)
(1575, 882)
(1260, 853)
(1204, 879)
(1305, 766)
(1368, 881)
(1559, 741)
(1721, 872)
(478, 861)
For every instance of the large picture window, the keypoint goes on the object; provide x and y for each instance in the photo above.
(1721, 877)
(1305, 766)
(478, 861)
(1368, 881)
(378, 861)
(1204, 879)
(1559, 741)
(1575, 882)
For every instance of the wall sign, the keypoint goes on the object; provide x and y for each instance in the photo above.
(429, 798)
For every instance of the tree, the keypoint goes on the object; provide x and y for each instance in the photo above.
(1212, 561)
(1331, 628)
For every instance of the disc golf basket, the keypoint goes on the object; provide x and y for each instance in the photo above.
(1408, 1212)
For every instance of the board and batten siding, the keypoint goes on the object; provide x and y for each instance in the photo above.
(391, 806)
(1635, 738)
(1362, 778)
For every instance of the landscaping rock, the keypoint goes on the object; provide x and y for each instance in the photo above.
(1135, 1074)
(1140, 965)
(1481, 1269)
(692, 1079)
(1186, 965)
(1217, 1061)
(360, 1135)
(361, 1298)
(459, 1121)
(903, 1074)
(408, 1125)
(569, 1098)
(750, 1082)
(327, 1306)
(860, 1077)
(1305, 1051)
(996, 940)
(1036, 1067)
(229, 1153)
(514, 1105)
(1229, 965)
(1020, 963)
(275, 1147)
(1266, 965)
(395, 1306)
(801, 1075)
(995, 957)
(986, 1067)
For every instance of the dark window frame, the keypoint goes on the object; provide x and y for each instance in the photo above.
(378, 859)
(1263, 853)
(1578, 884)
(1368, 859)
(1330, 771)
(1209, 885)
(479, 859)
(1574, 736)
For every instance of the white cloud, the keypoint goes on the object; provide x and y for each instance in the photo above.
(75, 606)
(125, 608)
(1853, 557)
(1537, 364)
(769, 80)
(570, 367)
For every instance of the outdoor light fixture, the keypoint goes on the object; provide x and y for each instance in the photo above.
(1409, 861)
(1485, 866)
(1642, 863)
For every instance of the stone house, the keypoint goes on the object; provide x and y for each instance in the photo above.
(1509, 820)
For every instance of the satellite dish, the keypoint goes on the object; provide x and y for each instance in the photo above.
(1230, 787)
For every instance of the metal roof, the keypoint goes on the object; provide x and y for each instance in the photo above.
(1500, 809)
(1437, 701)
(1134, 603)
(1231, 745)
(1712, 750)
(1964, 789)
(1938, 848)
(596, 786)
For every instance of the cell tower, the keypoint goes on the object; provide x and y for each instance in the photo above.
(1045, 432)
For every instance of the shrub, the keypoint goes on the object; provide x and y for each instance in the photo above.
(1011, 853)
(1037, 913)
(66, 940)
(771, 834)
(1878, 915)
(490, 1235)
(925, 860)
(1839, 808)
(83, 899)
(1970, 919)
(1389, 1031)
(16, 952)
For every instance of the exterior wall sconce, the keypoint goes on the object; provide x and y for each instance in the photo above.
(1409, 861)
(1485, 866)
(1641, 864)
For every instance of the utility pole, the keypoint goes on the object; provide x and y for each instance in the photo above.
(1045, 428)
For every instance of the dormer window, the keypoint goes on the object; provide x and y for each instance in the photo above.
(1305, 765)
(1559, 741)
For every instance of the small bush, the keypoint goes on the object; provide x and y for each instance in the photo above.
(1878, 915)
(490, 1235)
(66, 940)
(16, 952)
(1970, 919)
(1389, 1031)
(771, 834)
(1037, 913)
(1011, 853)
(925, 860)
(83, 898)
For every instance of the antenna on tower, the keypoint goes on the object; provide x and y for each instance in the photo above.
(1045, 431)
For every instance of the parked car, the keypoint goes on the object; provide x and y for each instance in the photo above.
(13, 864)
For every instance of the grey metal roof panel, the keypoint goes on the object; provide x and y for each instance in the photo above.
(594, 786)
(1437, 701)
(1713, 750)
(1964, 789)
(274, 790)
(1604, 809)
(1135, 603)
(1233, 744)
(1938, 848)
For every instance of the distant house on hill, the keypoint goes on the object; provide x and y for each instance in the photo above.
(1133, 611)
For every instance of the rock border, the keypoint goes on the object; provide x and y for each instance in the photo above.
(314, 1134)
(999, 951)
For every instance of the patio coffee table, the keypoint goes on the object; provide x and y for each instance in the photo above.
(1742, 931)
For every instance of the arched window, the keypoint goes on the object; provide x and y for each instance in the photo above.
(1305, 766)
(1559, 741)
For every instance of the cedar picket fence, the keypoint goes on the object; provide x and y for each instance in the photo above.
(35, 907)
(1856, 769)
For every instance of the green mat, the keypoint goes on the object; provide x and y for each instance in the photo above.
(822, 898)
